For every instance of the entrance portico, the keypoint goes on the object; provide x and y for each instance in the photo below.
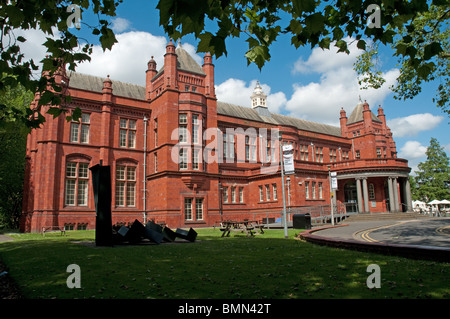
(375, 191)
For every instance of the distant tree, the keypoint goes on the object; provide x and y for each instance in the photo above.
(13, 139)
(433, 175)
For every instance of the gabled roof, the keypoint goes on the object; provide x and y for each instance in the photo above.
(357, 115)
(95, 84)
(185, 63)
(247, 113)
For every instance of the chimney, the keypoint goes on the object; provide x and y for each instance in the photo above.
(343, 121)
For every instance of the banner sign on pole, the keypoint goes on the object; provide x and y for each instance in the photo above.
(288, 159)
(334, 183)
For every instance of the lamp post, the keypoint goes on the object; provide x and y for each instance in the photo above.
(282, 188)
(331, 195)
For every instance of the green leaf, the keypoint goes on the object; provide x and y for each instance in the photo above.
(55, 111)
(431, 50)
(361, 44)
(258, 55)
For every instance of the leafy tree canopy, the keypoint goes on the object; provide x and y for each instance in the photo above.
(51, 17)
(421, 38)
(412, 27)
(260, 22)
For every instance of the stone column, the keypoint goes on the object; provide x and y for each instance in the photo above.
(365, 195)
(408, 195)
(396, 197)
(359, 195)
(391, 195)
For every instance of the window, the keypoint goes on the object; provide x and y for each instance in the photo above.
(182, 119)
(195, 129)
(378, 152)
(195, 159)
(127, 133)
(241, 194)
(307, 190)
(319, 154)
(332, 155)
(357, 155)
(247, 148)
(183, 158)
(188, 208)
(155, 131)
(267, 193)
(313, 190)
(253, 148)
(304, 152)
(77, 178)
(371, 191)
(274, 190)
(345, 155)
(79, 132)
(228, 146)
(156, 162)
(125, 186)
(199, 208)
(261, 194)
(320, 191)
(225, 194)
(233, 194)
(182, 128)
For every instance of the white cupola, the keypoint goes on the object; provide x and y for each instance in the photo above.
(259, 99)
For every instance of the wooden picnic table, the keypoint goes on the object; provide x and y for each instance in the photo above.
(250, 227)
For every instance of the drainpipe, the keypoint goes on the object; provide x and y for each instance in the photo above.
(144, 197)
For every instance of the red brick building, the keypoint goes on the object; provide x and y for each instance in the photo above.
(180, 156)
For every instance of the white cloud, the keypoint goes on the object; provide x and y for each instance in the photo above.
(127, 60)
(338, 86)
(412, 150)
(33, 47)
(413, 124)
(119, 25)
(237, 92)
(321, 61)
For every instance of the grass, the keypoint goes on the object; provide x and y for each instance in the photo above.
(265, 266)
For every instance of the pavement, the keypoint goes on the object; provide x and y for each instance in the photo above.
(423, 238)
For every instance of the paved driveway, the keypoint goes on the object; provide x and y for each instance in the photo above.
(433, 232)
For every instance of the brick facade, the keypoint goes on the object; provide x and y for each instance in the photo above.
(136, 130)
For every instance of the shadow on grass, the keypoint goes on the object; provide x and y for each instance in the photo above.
(264, 266)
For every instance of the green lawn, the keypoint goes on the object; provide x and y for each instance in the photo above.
(264, 266)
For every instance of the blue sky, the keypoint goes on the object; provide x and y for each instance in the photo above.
(309, 84)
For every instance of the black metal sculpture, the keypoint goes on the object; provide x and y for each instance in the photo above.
(101, 182)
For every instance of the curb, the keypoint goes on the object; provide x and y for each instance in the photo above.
(409, 251)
